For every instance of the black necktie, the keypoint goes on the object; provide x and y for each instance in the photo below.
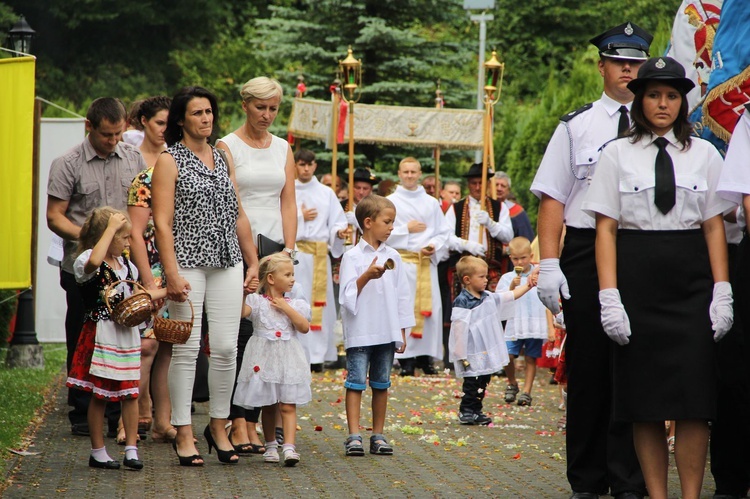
(624, 123)
(664, 193)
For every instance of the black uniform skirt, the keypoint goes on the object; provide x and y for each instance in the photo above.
(668, 370)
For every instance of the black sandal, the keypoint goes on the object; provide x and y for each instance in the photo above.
(186, 460)
(247, 448)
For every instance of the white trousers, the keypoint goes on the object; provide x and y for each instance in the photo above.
(221, 290)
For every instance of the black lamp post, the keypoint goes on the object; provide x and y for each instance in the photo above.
(25, 350)
(19, 37)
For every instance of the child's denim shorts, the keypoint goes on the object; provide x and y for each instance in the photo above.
(532, 347)
(380, 360)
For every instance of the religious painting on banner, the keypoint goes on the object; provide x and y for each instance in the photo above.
(729, 84)
(692, 40)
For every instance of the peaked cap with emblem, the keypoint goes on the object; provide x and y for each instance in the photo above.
(364, 175)
(626, 41)
(663, 69)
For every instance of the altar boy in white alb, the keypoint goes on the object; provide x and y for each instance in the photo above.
(419, 234)
(321, 227)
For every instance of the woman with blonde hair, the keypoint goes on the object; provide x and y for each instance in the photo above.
(265, 172)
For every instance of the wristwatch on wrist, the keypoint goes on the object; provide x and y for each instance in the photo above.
(292, 254)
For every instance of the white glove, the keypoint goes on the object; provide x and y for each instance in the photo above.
(722, 315)
(474, 248)
(484, 219)
(559, 320)
(551, 282)
(741, 220)
(614, 318)
(351, 219)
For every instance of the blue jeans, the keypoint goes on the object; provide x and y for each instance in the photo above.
(380, 360)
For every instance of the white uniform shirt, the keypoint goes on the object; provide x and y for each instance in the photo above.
(502, 231)
(623, 187)
(330, 219)
(566, 182)
(377, 315)
(735, 176)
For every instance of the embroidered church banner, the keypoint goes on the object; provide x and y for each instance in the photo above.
(392, 125)
(16, 170)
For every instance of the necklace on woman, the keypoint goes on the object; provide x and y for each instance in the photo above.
(254, 142)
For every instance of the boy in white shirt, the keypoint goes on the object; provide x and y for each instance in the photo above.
(528, 328)
(376, 313)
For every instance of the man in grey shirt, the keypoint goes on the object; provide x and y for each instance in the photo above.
(97, 172)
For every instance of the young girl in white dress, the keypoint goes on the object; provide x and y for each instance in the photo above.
(274, 369)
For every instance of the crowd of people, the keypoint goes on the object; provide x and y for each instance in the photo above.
(266, 260)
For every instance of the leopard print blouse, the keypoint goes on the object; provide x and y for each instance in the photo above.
(205, 212)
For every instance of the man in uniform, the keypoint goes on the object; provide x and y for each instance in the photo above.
(600, 454)
(420, 233)
(321, 227)
(98, 172)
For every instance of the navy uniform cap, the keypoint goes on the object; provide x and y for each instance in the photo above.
(626, 41)
(663, 69)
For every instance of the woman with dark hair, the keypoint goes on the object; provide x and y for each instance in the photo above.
(658, 214)
(152, 117)
(203, 235)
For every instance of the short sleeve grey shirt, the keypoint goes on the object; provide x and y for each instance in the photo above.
(87, 182)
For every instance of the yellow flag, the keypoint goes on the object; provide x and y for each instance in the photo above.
(16, 170)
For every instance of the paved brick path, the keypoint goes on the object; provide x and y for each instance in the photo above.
(522, 455)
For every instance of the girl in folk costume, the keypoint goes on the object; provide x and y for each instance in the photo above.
(274, 371)
(107, 360)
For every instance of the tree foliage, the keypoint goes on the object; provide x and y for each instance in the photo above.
(90, 48)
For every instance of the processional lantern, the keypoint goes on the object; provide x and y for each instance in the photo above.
(19, 37)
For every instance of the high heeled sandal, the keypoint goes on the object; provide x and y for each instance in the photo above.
(245, 449)
(186, 460)
(225, 456)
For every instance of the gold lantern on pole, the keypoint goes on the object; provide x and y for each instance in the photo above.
(351, 70)
(493, 70)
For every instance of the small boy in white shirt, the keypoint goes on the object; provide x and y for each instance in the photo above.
(476, 343)
(528, 328)
(375, 312)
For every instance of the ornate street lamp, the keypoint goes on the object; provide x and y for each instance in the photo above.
(494, 71)
(351, 70)
(19, 37)
(24, 349)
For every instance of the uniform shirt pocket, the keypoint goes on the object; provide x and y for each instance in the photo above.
(690, 196)
(636, 198)
(585, 161)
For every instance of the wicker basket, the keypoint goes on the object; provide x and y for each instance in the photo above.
(131, 311)
(173, 330)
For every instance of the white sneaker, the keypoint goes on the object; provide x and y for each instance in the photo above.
(291, 458)
(271, 455)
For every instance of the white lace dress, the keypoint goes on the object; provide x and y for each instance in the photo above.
(274, 368)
